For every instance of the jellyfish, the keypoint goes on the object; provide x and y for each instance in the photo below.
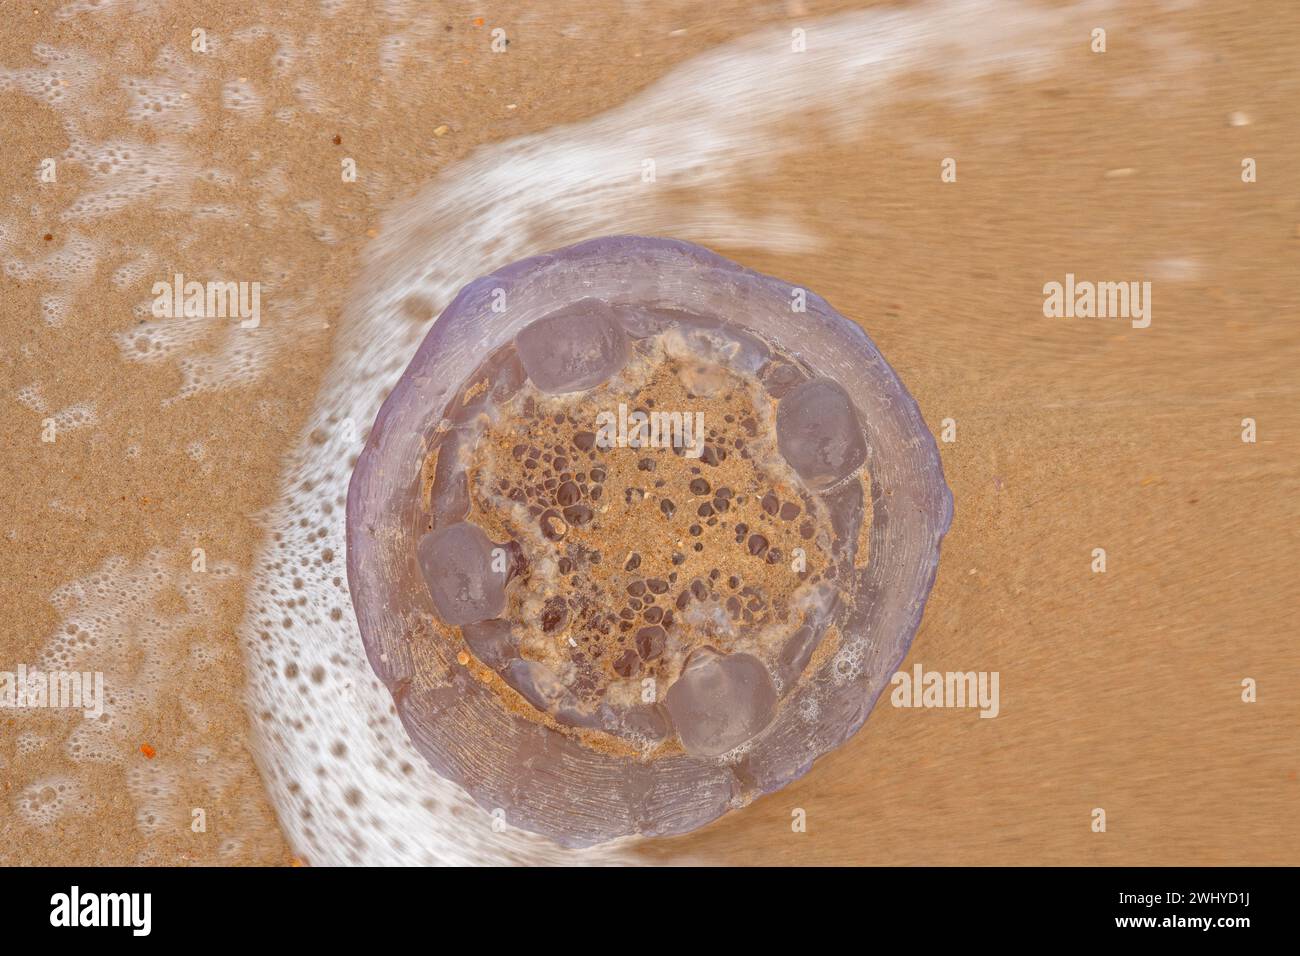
(634, 540)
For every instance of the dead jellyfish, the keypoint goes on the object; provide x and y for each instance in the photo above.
(600, 637)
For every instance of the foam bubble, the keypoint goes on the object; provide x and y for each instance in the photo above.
(133, 271)
(44, 802)
(240, 97)
(54, 308)
(76, 8)
(67, 76)
(111, 622)
(165, 100)
(123, 172)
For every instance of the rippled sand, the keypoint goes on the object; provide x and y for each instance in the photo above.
(240, 689)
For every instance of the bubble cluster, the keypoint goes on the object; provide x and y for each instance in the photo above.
(145, 628)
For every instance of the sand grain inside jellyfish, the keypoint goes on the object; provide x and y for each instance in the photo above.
(633, 542)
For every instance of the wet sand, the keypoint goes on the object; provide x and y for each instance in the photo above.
(1119, 690)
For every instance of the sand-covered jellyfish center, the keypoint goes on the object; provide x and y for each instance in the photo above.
(638, 523)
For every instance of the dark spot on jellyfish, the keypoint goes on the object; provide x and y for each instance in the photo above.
(636, 588)
(338, 140)
(757, 544)
(789, 511)
(646, 464)
(627, 664)
(653, 615)
(650, 642)
(770, 504)
(586, 441)
(667, 507)
(699, 486)
(568, 494)
(578, 515)
(657, 585)
(713, 455)
(633, 562)
(554, 528)
(554, 613)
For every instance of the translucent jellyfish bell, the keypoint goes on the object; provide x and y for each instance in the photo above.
(736, 719)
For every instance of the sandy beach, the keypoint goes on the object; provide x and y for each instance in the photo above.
(167, 517)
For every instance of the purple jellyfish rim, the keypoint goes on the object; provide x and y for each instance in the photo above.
(544, 781)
